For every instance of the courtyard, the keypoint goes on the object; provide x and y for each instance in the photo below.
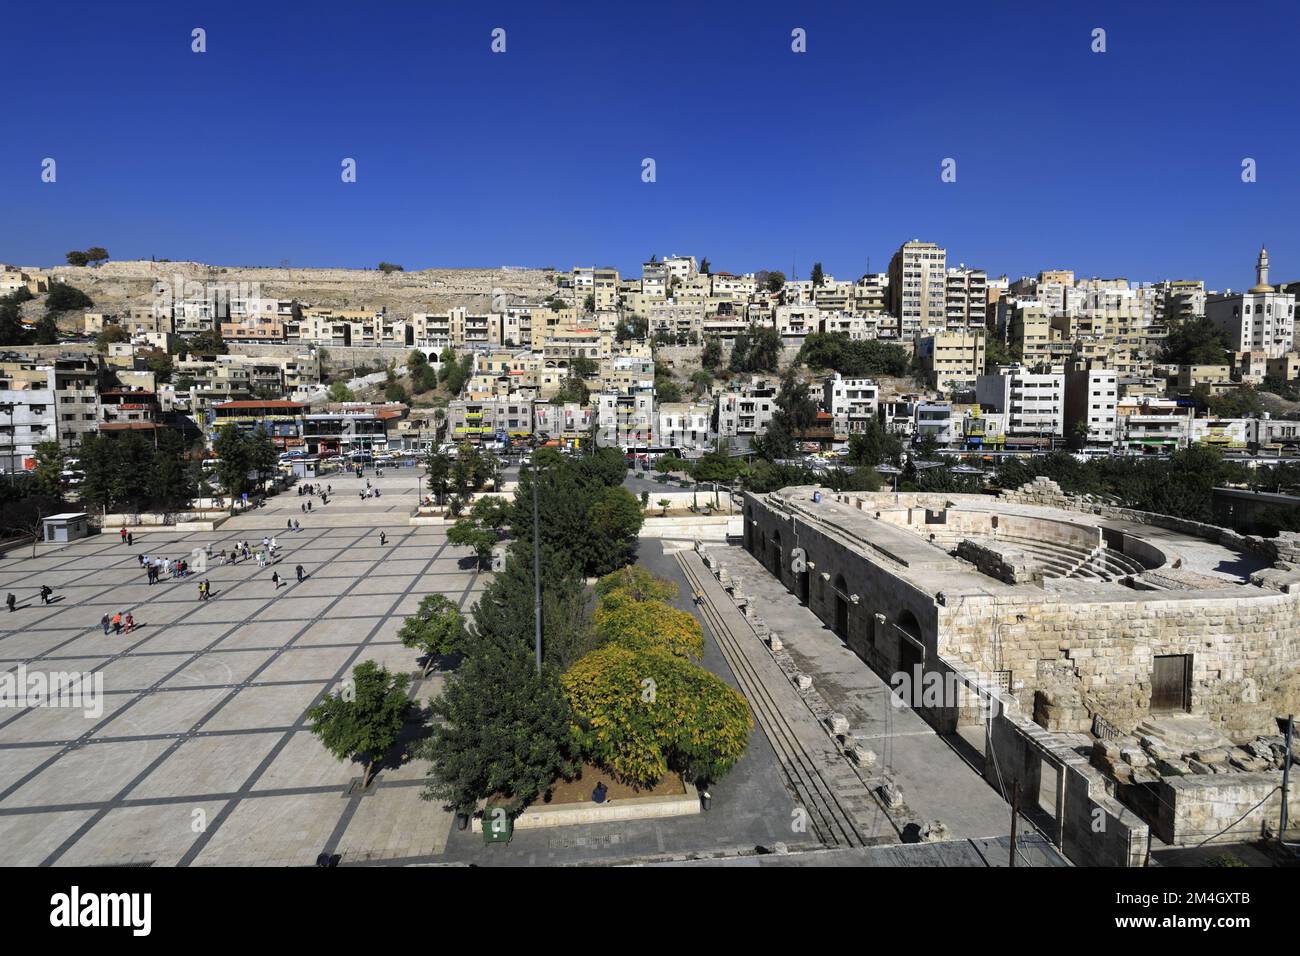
(201, 754)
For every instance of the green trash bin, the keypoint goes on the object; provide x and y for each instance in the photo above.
(498, 825)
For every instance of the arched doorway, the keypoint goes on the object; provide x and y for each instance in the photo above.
(911, 654)
(841, 598)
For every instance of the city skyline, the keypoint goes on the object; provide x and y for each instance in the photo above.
(1111, 164)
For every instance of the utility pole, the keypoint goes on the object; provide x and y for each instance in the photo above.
(537, 569)
(1015, 813)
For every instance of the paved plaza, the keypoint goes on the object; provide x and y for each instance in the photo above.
(201, 754)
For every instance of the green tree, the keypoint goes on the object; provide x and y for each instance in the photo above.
(818, 276)
(235, 461)
(363, 720)
(1195, 341)
(388, 268)
(209, 342)
(65, 298)
(711, 357)
(500, 729)
(339, 392)
(437, 470)
(48, 474)
(873, 446)
(643, 713)
(437, 628)
(109, 335)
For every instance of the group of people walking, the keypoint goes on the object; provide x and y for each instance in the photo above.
(156, 567)
(119, 623)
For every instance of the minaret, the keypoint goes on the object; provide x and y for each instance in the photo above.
(1261, 272)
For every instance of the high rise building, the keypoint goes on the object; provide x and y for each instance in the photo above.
(917, 287)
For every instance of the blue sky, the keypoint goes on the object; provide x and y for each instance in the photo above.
(1122, 163)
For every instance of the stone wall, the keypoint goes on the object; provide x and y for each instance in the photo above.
(1065, 657)
(1091, 826)
(1197, 808)
(1006, 564)
(1244, 644)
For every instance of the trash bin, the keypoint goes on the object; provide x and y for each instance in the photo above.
(498, 825)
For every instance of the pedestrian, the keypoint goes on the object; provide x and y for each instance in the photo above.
(207, 589)
(300, 574)
(46, 591)
(117, 623)
(130, 540)
(309, 506)
(122, 534)
(296, 525)
(10, 600)
(303, 507)
(104, 623)
(383, 538)
(275, 579)
(130, 624)
(289, 525)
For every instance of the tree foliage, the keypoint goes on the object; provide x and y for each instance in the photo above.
(641, 713)
(127, 471)
(852, 358)
(437, 628)
(362, 721)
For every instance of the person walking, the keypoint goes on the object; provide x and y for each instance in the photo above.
(383, 538)
(275, 579)
(104, 623)
(46, 591)
(117, 623)
(300, 574)
(10, 600)
(296, 525)
(309, 507)
(130, 624)
(130, 539)
(122, 534)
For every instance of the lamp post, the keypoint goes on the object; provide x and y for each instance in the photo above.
(537, 567)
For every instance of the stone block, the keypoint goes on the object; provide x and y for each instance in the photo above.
(803, 681)
(838, 724)
(861, 755)
(890, 795)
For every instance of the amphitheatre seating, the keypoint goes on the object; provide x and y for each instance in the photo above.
(1057, 559)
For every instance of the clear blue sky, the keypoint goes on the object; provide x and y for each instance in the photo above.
(1125, 163)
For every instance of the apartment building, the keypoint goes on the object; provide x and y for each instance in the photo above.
(1153, 426)
(27, 410)
(282, 420)
(1091, 398)
(852, 403)
(352, 427)
(626, 420)
(76, 395)
(966, 299)
(918, 287)
(685, 425)
(744, 411)
(600, 283)
(569, 423)
(1034, 402)
(952, 360)
(493, 419)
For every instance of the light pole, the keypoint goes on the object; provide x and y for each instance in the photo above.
(537, 566)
